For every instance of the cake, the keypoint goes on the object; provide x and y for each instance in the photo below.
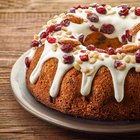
(86, 63)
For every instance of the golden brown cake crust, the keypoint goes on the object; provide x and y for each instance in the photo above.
(100, 104)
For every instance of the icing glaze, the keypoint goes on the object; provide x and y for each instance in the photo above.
(88, 69)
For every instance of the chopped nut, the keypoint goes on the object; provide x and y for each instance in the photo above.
(64, 29)
(115, 57)
(85, 20)
(111, 12)
(90, 72)
(54, 47)
(69, 33)
(106, 55)
(96, 55)
(108, 7)
(127, 59)
(137, 69)
(87, 10)
(132, 9)
(119, 56)
(123, 55)
(36, 37)
(123, 17)
(79, 61)
(80, 10)
(75, 52)
(76, 66)
(133, 16)
(133, 60)
(92, 60)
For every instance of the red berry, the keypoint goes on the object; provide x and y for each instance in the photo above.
(137, 55)
(92, 17)
(43, 35)
(91, 47)
(34, 43)
(27, 62)
(65, 22)
(117, 64)
(78, 6)
(81, 38)
(51, 39)
(72, 37)
(124, 40)
(68, 59)
(84, 57)
(124, 6)
(57, 27)
(101, 10)
(72, 10)
(124, 12)
(83, 51)
(111, 51)
(107, 28)
(137, 11)
(51, 28)
(93, 28)
(67, 48)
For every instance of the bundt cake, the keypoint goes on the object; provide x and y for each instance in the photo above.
(86, 63)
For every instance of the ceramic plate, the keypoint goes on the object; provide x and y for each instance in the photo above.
(30, 104)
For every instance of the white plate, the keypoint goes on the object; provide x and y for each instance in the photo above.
(30, 104)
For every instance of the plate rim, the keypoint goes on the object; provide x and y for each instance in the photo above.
(24, 104)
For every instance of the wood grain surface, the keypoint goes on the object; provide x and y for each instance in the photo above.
(19, 20)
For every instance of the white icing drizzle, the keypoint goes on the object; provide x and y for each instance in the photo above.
(118, 76)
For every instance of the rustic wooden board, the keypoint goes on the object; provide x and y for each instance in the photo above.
(19, 20)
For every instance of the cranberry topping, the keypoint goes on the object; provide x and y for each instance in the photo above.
(92, 17)
(65, 22)
(82, 7)
(72, 37)
(93, 28)
(51, 39)
(27, 62)
(137, 55)
(137, 11)
(57, 27)
(117, 64)
(72, 10)
(124, 6)
(124, 12)
(81, 38)
(43, 35)
(84, 57)
(67, 48)
(124, 40)
(91, 47)
(107, 28)
(68, 59)
(34, 43)
(111, 51)
(83, 51)
(51, 28)
(101, 10)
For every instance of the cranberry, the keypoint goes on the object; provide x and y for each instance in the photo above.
(27, 62)
(72, 37)
(43, 35)
(101, 10)
(83, 51)
(57, 27)
(117, 64)
(124, 6)
(84, 57)
(51, 28)
(111, 51)
(123, 12)
(81, 38)
(78, 6)
(65, 22)
(103, 5)
(137, 55)
(34, 43)
(92, 17)
(137, 11)
(107, 28)
(68, 59)
(67, 48)
(124, 40)
(128, 36)
(91, 47)
(51, 39)
(72, 10)
(93, 28)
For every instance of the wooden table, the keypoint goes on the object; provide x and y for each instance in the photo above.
(19, 21)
